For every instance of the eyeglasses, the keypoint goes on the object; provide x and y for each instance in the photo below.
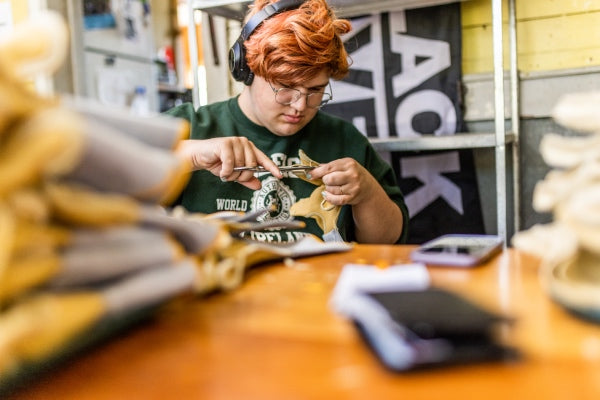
(287, 96)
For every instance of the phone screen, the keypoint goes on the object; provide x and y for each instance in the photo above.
(459, 250)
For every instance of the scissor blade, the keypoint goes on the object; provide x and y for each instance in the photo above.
(283, 169)
(255, 169)
(297, 168)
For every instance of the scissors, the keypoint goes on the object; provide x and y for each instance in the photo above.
(293, 168)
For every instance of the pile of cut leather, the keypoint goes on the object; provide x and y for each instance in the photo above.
(569, 246)
(83, 240)
(85, 243)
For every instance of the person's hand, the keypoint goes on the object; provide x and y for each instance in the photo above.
(346, 181)
(221, 155)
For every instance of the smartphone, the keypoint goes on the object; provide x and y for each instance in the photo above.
(459, 250)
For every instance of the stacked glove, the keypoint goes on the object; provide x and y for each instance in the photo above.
(83, 239)
(569, 247)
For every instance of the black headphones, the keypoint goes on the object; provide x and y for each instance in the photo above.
(237, 54)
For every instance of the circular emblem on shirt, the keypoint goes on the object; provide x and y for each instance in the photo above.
(275, 196)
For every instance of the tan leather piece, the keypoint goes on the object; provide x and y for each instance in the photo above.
(16, 101)
(315, 206)
(49, 143)
(27, 272)
(7, 237)
(37, 326)
(35, 46)
(78, 205)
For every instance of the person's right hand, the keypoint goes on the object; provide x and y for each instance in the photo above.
(221, 155)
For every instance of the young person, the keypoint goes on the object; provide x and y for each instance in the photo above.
(286, 55)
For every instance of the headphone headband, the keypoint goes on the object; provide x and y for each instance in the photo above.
(267, 12)
(237, 54)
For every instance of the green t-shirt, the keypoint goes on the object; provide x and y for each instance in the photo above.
(325, 138)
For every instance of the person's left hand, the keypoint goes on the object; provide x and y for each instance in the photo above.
(346, 181)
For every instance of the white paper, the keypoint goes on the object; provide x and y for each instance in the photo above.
(309, 246)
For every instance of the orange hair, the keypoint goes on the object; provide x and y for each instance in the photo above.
(296, 45)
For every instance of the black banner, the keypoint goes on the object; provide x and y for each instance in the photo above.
(405, 82)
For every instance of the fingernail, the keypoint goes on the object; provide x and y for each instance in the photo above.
(308, 175)
(324, 194)
(223, 179)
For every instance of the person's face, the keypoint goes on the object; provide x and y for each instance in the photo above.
(281, 119)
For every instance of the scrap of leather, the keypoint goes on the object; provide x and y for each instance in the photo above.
(315, 206)
(223, 265)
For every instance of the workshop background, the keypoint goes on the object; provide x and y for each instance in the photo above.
(558, 46)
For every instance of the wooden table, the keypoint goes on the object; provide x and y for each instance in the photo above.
(276, 338)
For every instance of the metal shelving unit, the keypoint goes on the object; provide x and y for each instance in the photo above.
(498, 140)
(344, 8)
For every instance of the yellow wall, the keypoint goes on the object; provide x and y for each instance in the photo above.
(551, 34)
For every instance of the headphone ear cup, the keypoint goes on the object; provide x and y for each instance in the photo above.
(237, 54)
(237, 61)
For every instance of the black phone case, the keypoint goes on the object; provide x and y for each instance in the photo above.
(437, 327)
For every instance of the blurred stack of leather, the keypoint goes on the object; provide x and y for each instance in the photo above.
(569, 246)
(84, 241)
